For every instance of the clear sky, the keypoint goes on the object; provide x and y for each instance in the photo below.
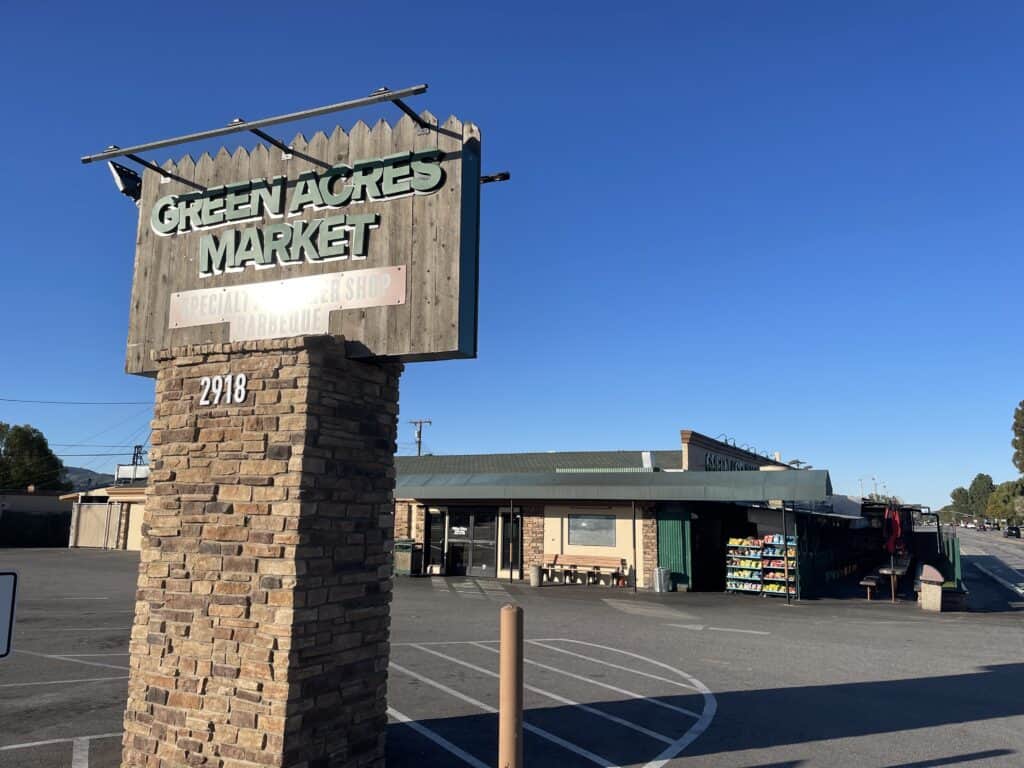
(799, 224)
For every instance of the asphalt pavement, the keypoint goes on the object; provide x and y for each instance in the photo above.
(615, 678)
(999, 557)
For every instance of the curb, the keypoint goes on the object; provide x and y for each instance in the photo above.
(999, 580)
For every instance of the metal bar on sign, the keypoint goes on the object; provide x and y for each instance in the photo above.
(374, 98)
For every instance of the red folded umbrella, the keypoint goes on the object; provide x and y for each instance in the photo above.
(893, 530)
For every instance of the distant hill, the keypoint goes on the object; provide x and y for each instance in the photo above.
(82, 479)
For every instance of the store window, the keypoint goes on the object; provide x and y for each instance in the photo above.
(592, 530)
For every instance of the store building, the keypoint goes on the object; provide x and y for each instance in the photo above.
(497, 514)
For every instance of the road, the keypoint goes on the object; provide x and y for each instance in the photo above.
(616, 679)
(1002, 558)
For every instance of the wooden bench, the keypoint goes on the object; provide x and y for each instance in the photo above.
(591, 567)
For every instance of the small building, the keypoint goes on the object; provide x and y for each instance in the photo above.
(111, 517)
(33, 518)
(497, 514)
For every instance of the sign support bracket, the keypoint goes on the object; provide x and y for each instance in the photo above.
(374, 98)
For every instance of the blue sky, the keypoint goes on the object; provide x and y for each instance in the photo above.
(798, 224)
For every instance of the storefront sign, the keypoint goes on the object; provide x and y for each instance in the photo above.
(714, 462)
(370, 236)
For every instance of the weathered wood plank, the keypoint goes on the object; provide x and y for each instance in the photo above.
(403, 137)
(445, 255)
(424, 239)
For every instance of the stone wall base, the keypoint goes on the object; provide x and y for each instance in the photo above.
(262, 616)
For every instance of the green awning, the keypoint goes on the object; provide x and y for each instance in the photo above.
(782, 485)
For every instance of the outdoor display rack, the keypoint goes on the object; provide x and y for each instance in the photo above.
(743, 565)
(779, 567)
(765, 566)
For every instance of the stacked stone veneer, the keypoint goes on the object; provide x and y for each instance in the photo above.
(649, 537)
(261, 624)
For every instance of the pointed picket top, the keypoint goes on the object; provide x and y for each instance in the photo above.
(360, 128)
(317, 137)
(205, 167)
(404, 124)
(298, 141)
(260, 153)
(381, 133)
(241, 153)
(337, 146)
(470, 132)
(428, 117)
(453, 124)
(186, 168)
(223, 156)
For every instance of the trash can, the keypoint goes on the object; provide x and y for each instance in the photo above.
(535, 576)
(662, 581)
(404, 549)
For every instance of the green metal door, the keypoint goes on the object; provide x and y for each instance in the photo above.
(674, 543)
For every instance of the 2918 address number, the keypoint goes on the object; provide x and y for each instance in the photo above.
(227, 389)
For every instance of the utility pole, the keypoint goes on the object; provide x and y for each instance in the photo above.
(419, 433)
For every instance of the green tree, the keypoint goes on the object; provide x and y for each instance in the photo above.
(1006, 501)
(26, 459)
(977, 494)
(961, 501)
(1018, 438)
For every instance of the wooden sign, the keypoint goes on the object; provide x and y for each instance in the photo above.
(370, 235)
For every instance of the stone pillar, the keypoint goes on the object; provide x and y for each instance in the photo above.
(261, 622)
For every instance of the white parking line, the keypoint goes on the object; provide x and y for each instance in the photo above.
(64, 682)
(598, 683)
(28, 744)
(87, 629)
(80, 753)
(710, 703)
(438, 739)
(555, 697)
(85, 598)
(701, 627)
(75, 661)
(78, 655)
(594, 758)
(632, 671)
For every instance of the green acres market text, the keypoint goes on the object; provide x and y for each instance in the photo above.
(339, 236)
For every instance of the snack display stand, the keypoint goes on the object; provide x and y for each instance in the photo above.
(743, 565)
(779, 565)
(765, 566)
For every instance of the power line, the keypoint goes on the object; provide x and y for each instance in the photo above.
(69, 455)
(93, 445)
(75, 402)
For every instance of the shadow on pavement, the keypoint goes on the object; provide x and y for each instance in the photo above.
(988, 754)
(746, 720)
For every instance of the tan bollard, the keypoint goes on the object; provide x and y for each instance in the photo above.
(510, 689)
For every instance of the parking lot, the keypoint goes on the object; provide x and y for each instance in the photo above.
(613, 678)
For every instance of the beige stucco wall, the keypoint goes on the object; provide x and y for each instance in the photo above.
(556, 534)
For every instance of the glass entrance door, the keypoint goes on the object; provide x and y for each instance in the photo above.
(510, 524)
(472, 541)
